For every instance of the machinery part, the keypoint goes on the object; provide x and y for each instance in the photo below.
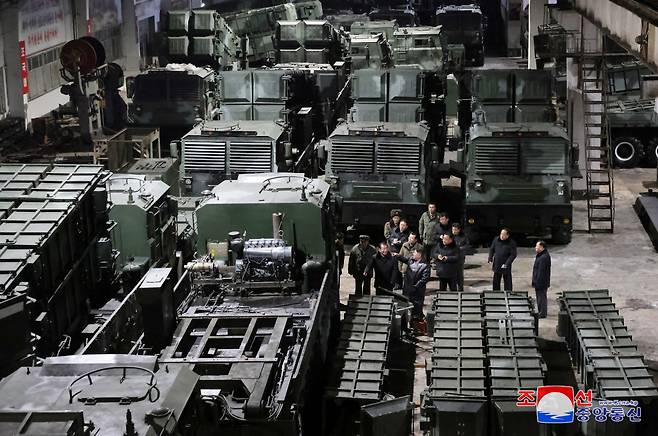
(651, 152)
(78, 55)
(626, 152)
(98, 48)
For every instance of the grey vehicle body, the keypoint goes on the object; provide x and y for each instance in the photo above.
(173, 96)
(464, 24)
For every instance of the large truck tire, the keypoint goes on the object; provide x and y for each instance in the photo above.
(626, 152)
(651, 153)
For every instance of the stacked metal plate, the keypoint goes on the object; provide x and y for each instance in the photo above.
(514, 360)
(360, 366)
(314, 41)
(51, 220)
(455, 402)
(600, 344)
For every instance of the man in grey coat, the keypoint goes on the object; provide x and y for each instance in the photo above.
(541, 277)
(416, 277)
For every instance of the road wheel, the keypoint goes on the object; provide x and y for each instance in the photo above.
(561, 235)
(626, 152)
(652, 153)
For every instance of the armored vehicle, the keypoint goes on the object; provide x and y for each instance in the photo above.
(518, 160)
(370, 51)
(376, 166)
(218, 150)
(173, 98)
(258, 313)
(464, 24)
(419, 46)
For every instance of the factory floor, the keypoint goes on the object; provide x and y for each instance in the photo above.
(625, 263)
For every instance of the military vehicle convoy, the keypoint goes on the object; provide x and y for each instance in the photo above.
(518, 160)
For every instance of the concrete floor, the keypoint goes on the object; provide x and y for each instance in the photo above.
(625, 263)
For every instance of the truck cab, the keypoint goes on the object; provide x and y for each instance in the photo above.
(464, 24)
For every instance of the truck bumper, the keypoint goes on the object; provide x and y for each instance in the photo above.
(537, 221)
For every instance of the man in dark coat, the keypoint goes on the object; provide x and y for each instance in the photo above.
(541, 277)
(447, 257)
(399, 236)
(464, 248)
(385, 268)
(441, 228)
(358, 266)
(415, 281)
(501, 255)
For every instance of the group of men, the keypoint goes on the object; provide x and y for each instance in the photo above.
(405, 258)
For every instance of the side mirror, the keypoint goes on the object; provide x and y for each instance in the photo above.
(130, 86)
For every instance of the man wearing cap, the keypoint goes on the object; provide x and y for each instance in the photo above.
(360, 264)
(393, 223)
(464, 248)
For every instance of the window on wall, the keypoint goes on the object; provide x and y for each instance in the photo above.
(43, 72)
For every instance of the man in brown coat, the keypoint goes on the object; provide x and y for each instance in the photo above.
(408, 248)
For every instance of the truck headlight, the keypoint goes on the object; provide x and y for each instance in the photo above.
(471, 221)
(478, 185)
(560, 187)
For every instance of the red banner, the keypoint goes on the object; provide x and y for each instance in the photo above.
(23, 59)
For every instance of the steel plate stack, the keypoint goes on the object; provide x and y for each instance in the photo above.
(51, 222)
(514, 359)
(607, 359)
(456, 399)
(360, 366)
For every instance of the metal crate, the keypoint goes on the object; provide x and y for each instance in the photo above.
(607, 358)
(360, 365)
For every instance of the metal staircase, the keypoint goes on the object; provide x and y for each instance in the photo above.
(599, 175)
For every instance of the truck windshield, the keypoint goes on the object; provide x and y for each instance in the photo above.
(159, 87)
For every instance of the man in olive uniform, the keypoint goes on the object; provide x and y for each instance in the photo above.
(359, 264)
(408, 248)
(426, 225)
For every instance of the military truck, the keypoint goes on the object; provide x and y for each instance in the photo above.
(375, 166)
(632, 115)
(370, 51)
(464, 24)
(518, 160)
(173, 98)
(420, 46)
(312, 41)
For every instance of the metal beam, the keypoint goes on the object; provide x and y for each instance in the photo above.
(631, 24)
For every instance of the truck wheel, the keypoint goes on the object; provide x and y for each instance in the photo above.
(626, 152)
(652, 153)
(561, 235)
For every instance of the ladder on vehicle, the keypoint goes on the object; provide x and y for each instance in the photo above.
(598, 159)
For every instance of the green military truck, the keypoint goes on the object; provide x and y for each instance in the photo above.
(374, 166)
(632, 116)
(518, 160)
(173, 98)
(464, 24)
